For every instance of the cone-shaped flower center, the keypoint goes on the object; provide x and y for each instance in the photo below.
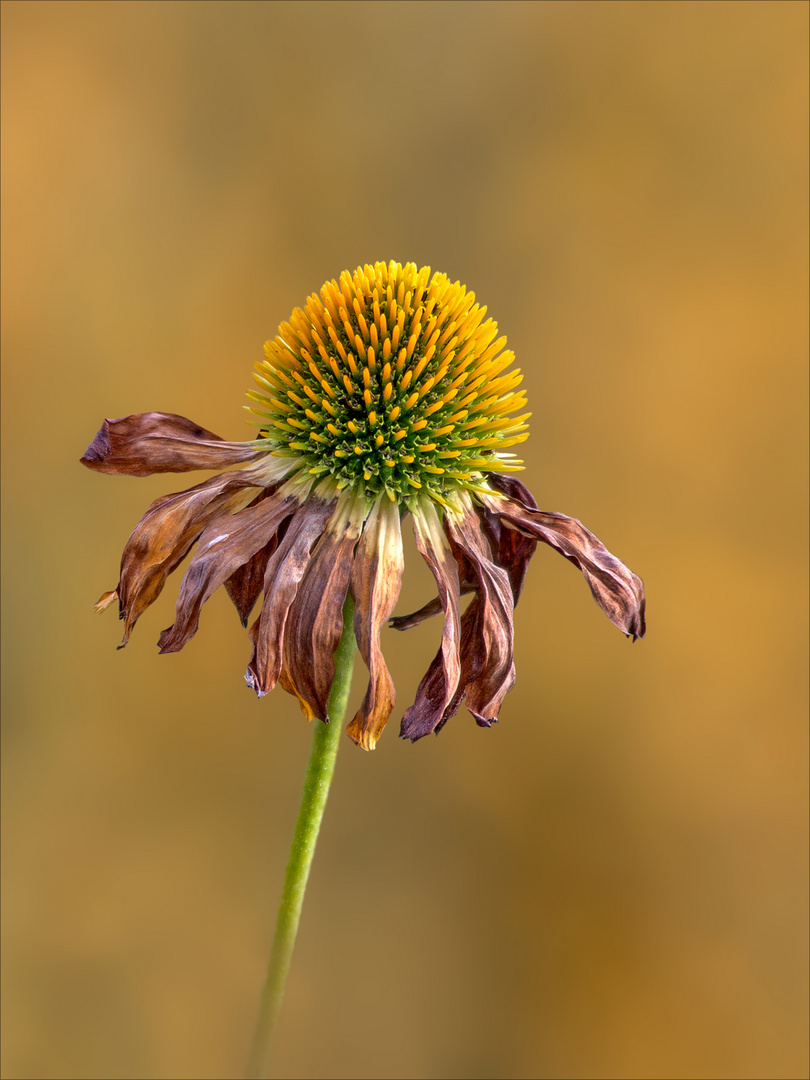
(392, 381)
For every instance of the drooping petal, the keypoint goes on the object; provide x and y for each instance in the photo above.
(617, 590)
(245, 583)
(283, 575)
(441, 680)
(426, 611)
(315, 619)
(227, 543)
(155, 442)
(376, 577)
(164, 535)
(512, 550)
(488, 671)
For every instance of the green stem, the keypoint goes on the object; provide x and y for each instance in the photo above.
(313, 801)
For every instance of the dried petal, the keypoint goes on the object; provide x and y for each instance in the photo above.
(376, 577)
(439, 684)
(283, 575)
(164, 535)
(227, 543)
(488, 671)
(315, 620)
(512, 549)
(617, 590)
(155, 442)
(245, 583)
(105, 600)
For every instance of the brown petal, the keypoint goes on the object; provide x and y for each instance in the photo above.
(245, 583)
(154, 442)
(105, 600)
(165, 534)
(488, 671)
(283, 575)
(617, 590)
(227, 543)
(513, 550)
(438, 687)
(376, 577)
(315, 621)
(427, 611)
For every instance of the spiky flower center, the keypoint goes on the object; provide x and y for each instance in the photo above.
(391, 380)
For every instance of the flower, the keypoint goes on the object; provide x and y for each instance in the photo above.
(387, 394)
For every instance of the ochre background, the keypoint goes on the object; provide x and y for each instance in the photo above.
(611, 882)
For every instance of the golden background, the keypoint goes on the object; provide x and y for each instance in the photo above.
(611, 882)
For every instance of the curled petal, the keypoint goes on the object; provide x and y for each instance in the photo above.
(164, 535)
(226, 544)
(105, 600)
(283, 575)
(616, 589)
(426, 611)
(315, 620)
(438, 687)
(245, 583)
(155, 442)
(513, 550)
(376, 577)
(488, 671)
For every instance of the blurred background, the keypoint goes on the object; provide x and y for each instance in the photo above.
(613, 881)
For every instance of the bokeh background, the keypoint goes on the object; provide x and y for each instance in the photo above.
(613, 881)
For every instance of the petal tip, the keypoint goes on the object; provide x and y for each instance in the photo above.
(105, 600)
(167, 642)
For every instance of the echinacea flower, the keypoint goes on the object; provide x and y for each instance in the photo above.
(388, 394)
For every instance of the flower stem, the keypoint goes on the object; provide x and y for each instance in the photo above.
(313, 801)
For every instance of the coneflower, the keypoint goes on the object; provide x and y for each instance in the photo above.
(388, 394)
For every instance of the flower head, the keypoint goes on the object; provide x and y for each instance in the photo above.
(387, 394)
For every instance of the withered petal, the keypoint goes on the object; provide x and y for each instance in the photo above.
(164, 535)
(282, 577)
(617, 590)
(105, 600)
(488, 670)
(245, 583)
(155, 442)
(227, 543)
(438, 687)
(315, 619)
(376, 578)
(513, 551)
(427, 611)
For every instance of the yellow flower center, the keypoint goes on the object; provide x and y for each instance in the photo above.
(391, 380)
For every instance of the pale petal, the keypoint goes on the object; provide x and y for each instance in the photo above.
(438, 687)
(376, 577)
